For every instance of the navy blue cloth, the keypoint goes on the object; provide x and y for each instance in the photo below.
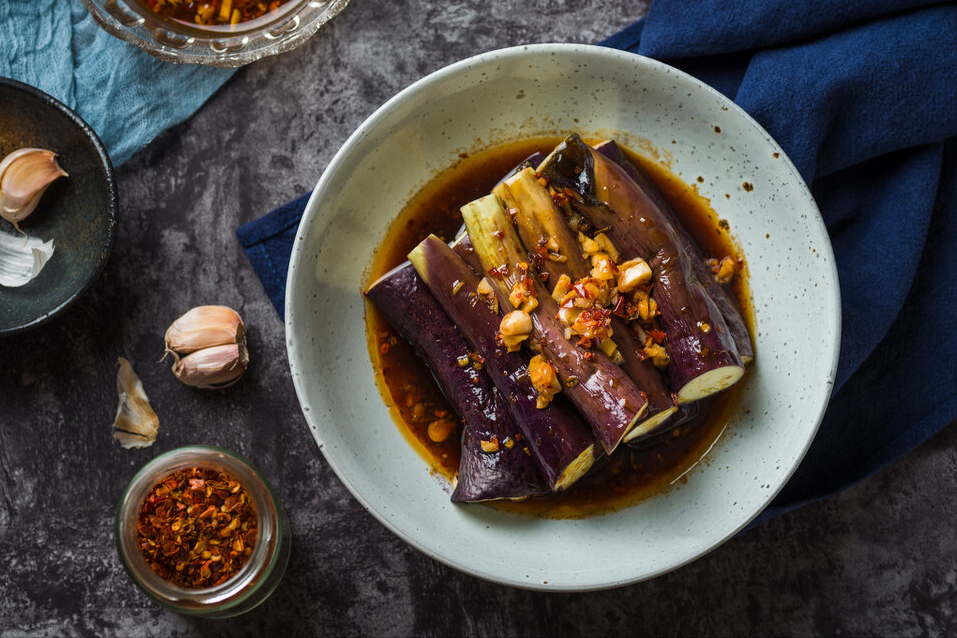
(268, 245)
(862, 95)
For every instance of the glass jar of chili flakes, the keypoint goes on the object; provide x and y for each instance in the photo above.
(200, 531)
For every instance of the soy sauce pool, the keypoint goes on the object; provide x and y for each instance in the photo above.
(633, 473)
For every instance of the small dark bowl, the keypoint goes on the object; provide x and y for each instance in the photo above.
(78, 212)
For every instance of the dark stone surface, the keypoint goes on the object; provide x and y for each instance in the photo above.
(878, 559)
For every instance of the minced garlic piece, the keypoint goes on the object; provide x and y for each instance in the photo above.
(607, 246)
(522, 295)
(633, 273)
(516, 326)
(589, 245)
(726, 270)
(562, 286)
(544, 380)
(603, 267)
(490, 446)
(658, 355)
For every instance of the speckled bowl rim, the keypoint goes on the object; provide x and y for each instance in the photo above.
(104, 161)
(411, 92)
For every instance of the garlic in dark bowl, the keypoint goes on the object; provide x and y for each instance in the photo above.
(70, 221)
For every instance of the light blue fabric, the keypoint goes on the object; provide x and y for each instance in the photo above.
(125, 94)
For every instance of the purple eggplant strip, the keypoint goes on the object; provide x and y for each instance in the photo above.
(607, 398)
(462, 246)
(722, 297)
(406, 303)
(558, 440)
(538, 219)
(704, 358)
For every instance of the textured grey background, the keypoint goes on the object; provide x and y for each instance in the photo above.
(877, 560)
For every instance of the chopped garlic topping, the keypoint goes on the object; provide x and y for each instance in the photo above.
(633, 273)
(589, 245)
(658, 355)
(516, 327)
(604, 268)
(562, 286)
(490, 446)
(523, 295)
(726, 270)
(544, 380)
(484, 287)
(607, 246)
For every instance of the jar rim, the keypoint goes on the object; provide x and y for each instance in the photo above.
(234, 590)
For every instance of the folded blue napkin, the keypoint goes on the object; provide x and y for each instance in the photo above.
(126, 95)
(862, 95)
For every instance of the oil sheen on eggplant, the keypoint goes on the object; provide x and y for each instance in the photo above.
(633, 473)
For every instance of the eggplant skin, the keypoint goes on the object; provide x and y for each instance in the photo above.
(609, 400)
(556, 437)
(533, 205)
(406, 303)
(704, 358)
(720, 294)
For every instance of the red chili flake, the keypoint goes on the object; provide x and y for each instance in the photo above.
(500, 234)
(197, 527)
(657, 336)
(619, 310)
(559, 199)
(211, 13)
(499, 273)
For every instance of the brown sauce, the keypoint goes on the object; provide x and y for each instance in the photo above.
(633, 473)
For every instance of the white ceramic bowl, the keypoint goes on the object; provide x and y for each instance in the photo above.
(543, 89)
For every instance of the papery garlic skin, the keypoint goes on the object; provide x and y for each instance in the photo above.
(136, 424)
(22, 258)
(205, 327)
(25, 175)
(211, 368)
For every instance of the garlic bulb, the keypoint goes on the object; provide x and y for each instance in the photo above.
(24, 176)
(208, 344)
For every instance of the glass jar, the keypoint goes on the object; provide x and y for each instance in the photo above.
(224, 46)
(254, 582)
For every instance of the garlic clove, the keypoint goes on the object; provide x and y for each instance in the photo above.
(136, 424)
(211, 368)
(205, 327)
(24, 177)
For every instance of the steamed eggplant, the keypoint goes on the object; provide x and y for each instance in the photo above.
(488, 469)
(555, 435)
(703, 356)
(608, 399)
(666, 218)
(546, 234)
